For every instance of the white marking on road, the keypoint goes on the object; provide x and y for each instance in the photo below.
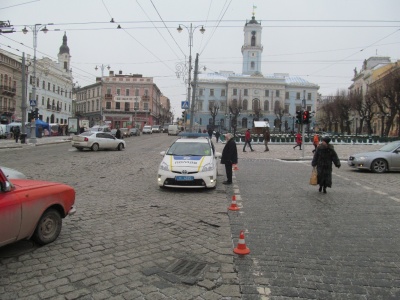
(395, 199)
(379, 192)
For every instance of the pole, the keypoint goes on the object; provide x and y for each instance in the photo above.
(23, 87)
(33, 124)
(196, 67)
(302, 124)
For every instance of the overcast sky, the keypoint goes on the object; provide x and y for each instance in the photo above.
(319, 40)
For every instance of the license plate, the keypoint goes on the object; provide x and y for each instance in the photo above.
(184, 178)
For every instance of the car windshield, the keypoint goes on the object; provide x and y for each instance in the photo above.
(190, 149)
(86, 133)
(389, 147)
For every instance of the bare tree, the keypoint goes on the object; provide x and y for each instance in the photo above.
(213, 108)
(279, 113)
(235, 111)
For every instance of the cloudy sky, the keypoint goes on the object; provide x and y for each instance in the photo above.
(319, 40)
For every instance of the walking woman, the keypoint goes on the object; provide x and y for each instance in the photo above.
(229, 157)
(323, 158)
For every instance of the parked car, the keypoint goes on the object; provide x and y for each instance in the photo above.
(385, 159)
(96, 141)
(173, 130)
(11, 173)
(102, 128)
(156, 128)
(33, 209)
(134, 131)
(189, 163)
(147, 129)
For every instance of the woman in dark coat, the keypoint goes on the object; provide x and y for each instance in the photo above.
(229, 157)
(323, 158)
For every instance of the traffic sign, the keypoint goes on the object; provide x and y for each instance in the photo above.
(32, 102)
(185, 104)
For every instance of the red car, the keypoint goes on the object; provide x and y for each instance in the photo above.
(33, 209)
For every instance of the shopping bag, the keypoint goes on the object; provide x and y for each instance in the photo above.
(314, 178)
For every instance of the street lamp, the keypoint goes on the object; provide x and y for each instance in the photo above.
(35, 29)
(102, 67)
(190, 31)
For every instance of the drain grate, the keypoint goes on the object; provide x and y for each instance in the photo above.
(183, 267)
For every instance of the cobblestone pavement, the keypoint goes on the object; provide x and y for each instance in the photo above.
(132, 240)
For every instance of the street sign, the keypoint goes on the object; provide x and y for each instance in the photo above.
(185, 104)
(32, 102)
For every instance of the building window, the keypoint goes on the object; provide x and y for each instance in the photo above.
(108, 105)
(58, 90)
(309, 96)
(43, 100)
(127, 106)
(266, 105)
(119, 92)
(211, 92)
(127, 92)
(97, 104)
(88, 106)
(246, 92)
(201, 92)
(298, 96)
(277, 93)
(223, 93)
(117, 105)
(98, 92)
(252, 65)
(266, 93)
(136, 92)
(245, 104)
(43, 85)
(54, 88)
(108, 91)
(234, 92)
(287, 95)
(145, 106)
(136, 105)
(48, 86)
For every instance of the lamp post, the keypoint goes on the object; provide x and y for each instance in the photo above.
(102, 67)
(190, 31)
(35, 29)
(229, 116)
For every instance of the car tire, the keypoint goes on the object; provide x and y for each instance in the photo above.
(48, 227)
(120, 147)
(95, 147)
(379, 166)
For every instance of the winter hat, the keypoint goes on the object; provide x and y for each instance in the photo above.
(326, 139)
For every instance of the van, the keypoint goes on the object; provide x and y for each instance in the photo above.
(173, 130)
(3, 131)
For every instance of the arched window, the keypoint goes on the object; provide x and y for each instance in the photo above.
(253, 40)
(277, 105)
(266, 105)
(234, 103)
(245, 104)
(256, 104)
(244, 123)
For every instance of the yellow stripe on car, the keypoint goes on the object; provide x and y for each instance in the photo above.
(201, 162)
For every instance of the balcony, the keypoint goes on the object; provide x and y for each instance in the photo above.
(145, 98)
(108, 96)
(7, 91)
(53, 108)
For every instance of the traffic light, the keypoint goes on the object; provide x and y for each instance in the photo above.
(306, 117)
(298, 117)
(183, 114)
(36, 113)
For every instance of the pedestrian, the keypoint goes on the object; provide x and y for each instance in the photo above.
(12, 132)
(247, 140)
(217, 134)
(17, 132)
(118, 133)
(267, 138)
(229, 157)
(210, 133)
(323, 158)
(298, 140)
(315, 142)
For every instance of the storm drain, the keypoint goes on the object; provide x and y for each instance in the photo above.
(182, 267)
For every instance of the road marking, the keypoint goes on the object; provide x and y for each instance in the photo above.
(395, 199)
(380, 193)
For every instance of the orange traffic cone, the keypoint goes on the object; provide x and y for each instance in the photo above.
(233, 204)
(235, 167)
(241, 247)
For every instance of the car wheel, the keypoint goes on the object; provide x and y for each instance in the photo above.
(48, 228)
(95, 147)
(379, 166)
(120, 147)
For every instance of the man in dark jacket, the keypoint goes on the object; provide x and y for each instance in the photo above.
(323, 158)
(229, 157)
(118, 133)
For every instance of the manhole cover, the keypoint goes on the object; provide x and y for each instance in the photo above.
(182, 267)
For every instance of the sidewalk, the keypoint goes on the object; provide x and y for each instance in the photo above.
(10, 143)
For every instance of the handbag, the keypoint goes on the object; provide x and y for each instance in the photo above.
(314, 176)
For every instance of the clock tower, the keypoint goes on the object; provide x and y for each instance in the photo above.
(252, 48)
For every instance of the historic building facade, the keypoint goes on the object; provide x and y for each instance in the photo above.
(123, 101)
(225, 99)
(54, 84)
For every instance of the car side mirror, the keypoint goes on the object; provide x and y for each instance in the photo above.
(5, 186)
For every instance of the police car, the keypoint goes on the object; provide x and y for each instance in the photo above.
(190, 162)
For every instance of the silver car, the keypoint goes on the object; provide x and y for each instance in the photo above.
(96, 141)
(385, 159)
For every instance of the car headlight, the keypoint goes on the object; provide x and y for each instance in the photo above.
(207, 168)
(164, 166)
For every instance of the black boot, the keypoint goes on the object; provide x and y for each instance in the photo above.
(324, 191)
(320, 188)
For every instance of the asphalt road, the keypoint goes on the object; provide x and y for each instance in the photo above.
(131, 240)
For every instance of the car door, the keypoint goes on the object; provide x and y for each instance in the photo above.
(10, 217)
(395, 160)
